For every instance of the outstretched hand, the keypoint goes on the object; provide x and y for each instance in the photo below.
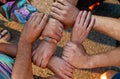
(82, 26)
(34, 27)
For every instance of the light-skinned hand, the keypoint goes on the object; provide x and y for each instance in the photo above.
(82, 26)
(76, 55)
(65, 12)
(54, 30)
(61, 68)
(34, 27)
(43, 53)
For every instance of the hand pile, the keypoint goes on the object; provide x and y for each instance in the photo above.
(64, 14)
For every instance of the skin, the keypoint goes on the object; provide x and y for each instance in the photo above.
(82, 26)
(28, 37)
(81, 29)
(54, 29)
(62, 69)
(55, 33)
(9, 49)
(45, 50)
(43, 53)
(100, 25)
(64, 12)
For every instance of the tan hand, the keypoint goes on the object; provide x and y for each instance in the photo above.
(34, 27)
(82, 27)
(53, 29)
(43, 53)
(65, 12)
(61, 68)
(75, 54)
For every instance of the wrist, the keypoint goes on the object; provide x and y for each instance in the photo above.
(24, 43)
(94, 61)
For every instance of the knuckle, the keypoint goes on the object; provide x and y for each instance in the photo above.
(59, 73)
(63, 18)
(44, 65)
(65, 13)
(61, 69)
(51, 34)
(53, 20)
(75, 46)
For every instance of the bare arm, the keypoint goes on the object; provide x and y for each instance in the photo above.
(107, 25)
(9, 49)
(23, 62)
(111, 58)
(23, 65)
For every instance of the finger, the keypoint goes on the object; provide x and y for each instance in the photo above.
(65, 54)
(59, 33)
(58, 30)
(34, 58)
(70, 66)
(39, 60)
(60, 27)
(44, 63)
(68, 74)
(65, 58)
(58, 5)
(38, 18)
(46, 59)
(39, 55)
(63, 76)
(70, 44)
(31, 18)
(34, 18)
(92, 22)
(56, 16)
(33, 53)
(83, 17)
(56, 10)
(67, 49)
(64, 2)
(43, 22)
(78, 18)
(87, 21)
(69, 69)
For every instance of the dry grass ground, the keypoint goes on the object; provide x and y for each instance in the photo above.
(91, 46)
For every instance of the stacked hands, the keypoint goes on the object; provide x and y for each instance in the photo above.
(64, 14)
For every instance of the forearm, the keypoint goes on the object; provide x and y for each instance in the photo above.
(9, 49)
(111, 58)
(108, 26)
(23, 64)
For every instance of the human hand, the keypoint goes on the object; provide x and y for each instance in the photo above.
(43, 53)
(54, 30)
(76, 55)
(3, 1)
(65, 12)
(74, 2)
(33, 28)
(61, 68)
(82, 26)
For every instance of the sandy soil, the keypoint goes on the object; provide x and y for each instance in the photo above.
(91, 46)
